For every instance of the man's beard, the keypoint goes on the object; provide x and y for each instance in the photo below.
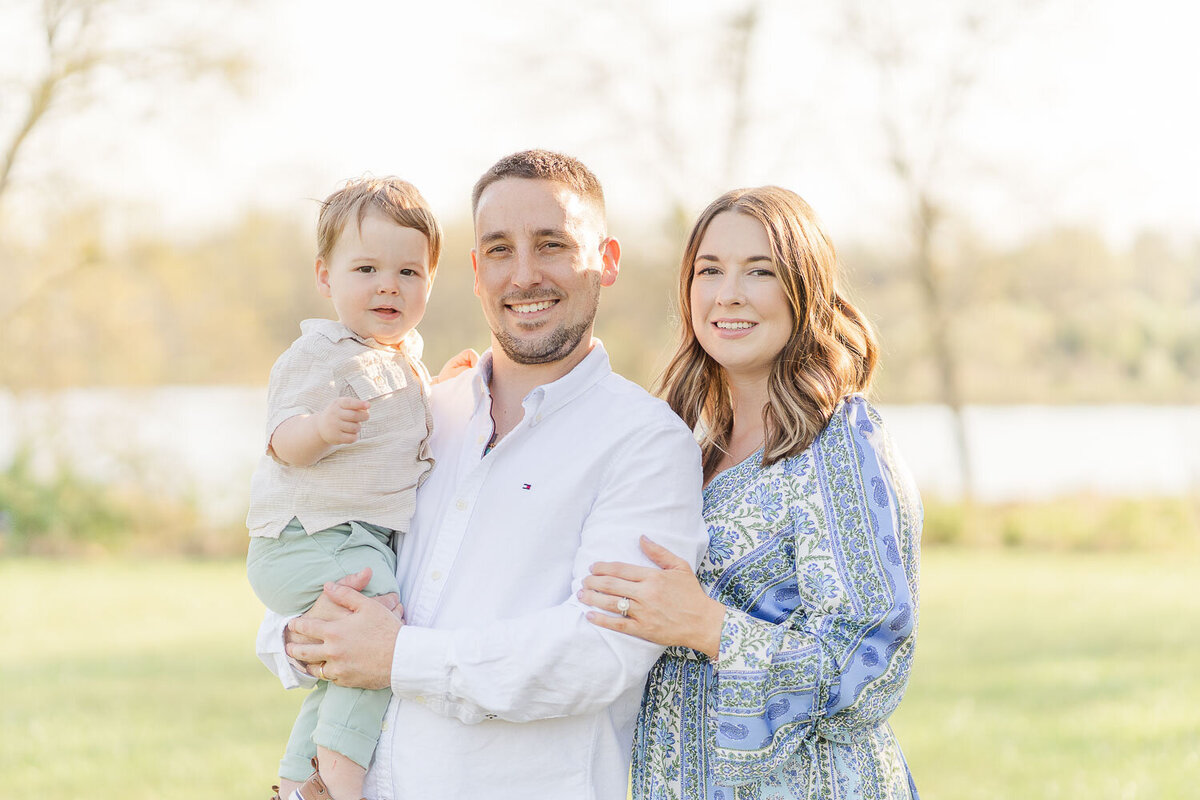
(557, 345)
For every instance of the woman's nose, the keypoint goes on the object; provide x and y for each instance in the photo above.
(730, 292)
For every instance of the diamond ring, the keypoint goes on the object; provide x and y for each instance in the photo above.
(623, 606)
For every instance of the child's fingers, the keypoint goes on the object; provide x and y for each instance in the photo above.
(352, 403)
(353, 415)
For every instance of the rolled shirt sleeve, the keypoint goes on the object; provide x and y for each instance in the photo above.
(269, 648)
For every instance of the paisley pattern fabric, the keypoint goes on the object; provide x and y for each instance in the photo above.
(816, 560)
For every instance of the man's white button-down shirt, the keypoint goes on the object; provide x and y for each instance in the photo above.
(501, 687)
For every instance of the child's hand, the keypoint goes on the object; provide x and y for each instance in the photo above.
(341, 420)
(460, 363)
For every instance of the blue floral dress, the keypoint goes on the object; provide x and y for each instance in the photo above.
(816, 560)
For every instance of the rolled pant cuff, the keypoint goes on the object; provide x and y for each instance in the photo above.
(295, 767)
(354, 745)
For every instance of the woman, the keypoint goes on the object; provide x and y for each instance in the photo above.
(791, 647)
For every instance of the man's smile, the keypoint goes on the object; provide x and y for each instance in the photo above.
(532, 307)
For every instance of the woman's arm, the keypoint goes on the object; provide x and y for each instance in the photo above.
(838, 665)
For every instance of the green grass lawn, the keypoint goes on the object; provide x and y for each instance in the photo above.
(1037, 676)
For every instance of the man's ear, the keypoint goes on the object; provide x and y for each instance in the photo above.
(610, 252)
(323, 278)
(475, 270)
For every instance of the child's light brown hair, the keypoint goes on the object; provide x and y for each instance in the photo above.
(395, 199)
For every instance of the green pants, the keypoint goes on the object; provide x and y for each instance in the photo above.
(288, 574)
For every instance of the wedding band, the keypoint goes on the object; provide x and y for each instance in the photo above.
(321, 671)
(623, 606)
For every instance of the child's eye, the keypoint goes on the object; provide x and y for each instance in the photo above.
(408, 272)
(364, 268)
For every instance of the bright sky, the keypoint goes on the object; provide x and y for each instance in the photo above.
(1087, 112)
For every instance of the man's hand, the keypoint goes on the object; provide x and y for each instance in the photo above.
(346, 637)
(327, 610)
(340, 421)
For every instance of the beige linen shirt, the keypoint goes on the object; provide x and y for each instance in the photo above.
(372, 480)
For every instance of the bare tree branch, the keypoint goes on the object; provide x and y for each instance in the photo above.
(71, 31)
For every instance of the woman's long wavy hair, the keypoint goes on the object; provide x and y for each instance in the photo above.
(832, 351)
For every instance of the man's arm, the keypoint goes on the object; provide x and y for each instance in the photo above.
(553, 662)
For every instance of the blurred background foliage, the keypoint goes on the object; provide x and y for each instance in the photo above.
(983, 289)
(1061, 317)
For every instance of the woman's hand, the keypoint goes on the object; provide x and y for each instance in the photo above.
(462, 362)
(666, 606)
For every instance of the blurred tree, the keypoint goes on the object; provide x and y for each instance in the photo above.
(676, 103)
(81, 49)
(927, 62)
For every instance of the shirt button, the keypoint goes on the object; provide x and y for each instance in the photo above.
(436, 575)
(539, 417)
(384, 726)
(420, 699)
(460, 504)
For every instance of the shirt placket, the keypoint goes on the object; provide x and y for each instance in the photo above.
(472, 472)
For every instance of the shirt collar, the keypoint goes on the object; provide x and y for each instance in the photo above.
(549, 397)
(335, 331)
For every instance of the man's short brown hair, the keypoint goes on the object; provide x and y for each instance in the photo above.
(548, 166)
(395, 199)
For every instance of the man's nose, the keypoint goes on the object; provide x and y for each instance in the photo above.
(526, 271)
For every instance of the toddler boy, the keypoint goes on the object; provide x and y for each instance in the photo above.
(348, 422)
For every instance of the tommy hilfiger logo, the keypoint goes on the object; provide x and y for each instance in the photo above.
(526, 486)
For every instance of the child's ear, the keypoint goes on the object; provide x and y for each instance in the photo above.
(323, 278)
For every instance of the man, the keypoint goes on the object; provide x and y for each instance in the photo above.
(546, 462)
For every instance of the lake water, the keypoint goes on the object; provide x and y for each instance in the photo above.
(204, 442)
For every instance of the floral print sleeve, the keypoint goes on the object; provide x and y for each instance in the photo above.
(822, 602)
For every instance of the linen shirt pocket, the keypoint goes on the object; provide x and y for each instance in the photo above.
(374, 376)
